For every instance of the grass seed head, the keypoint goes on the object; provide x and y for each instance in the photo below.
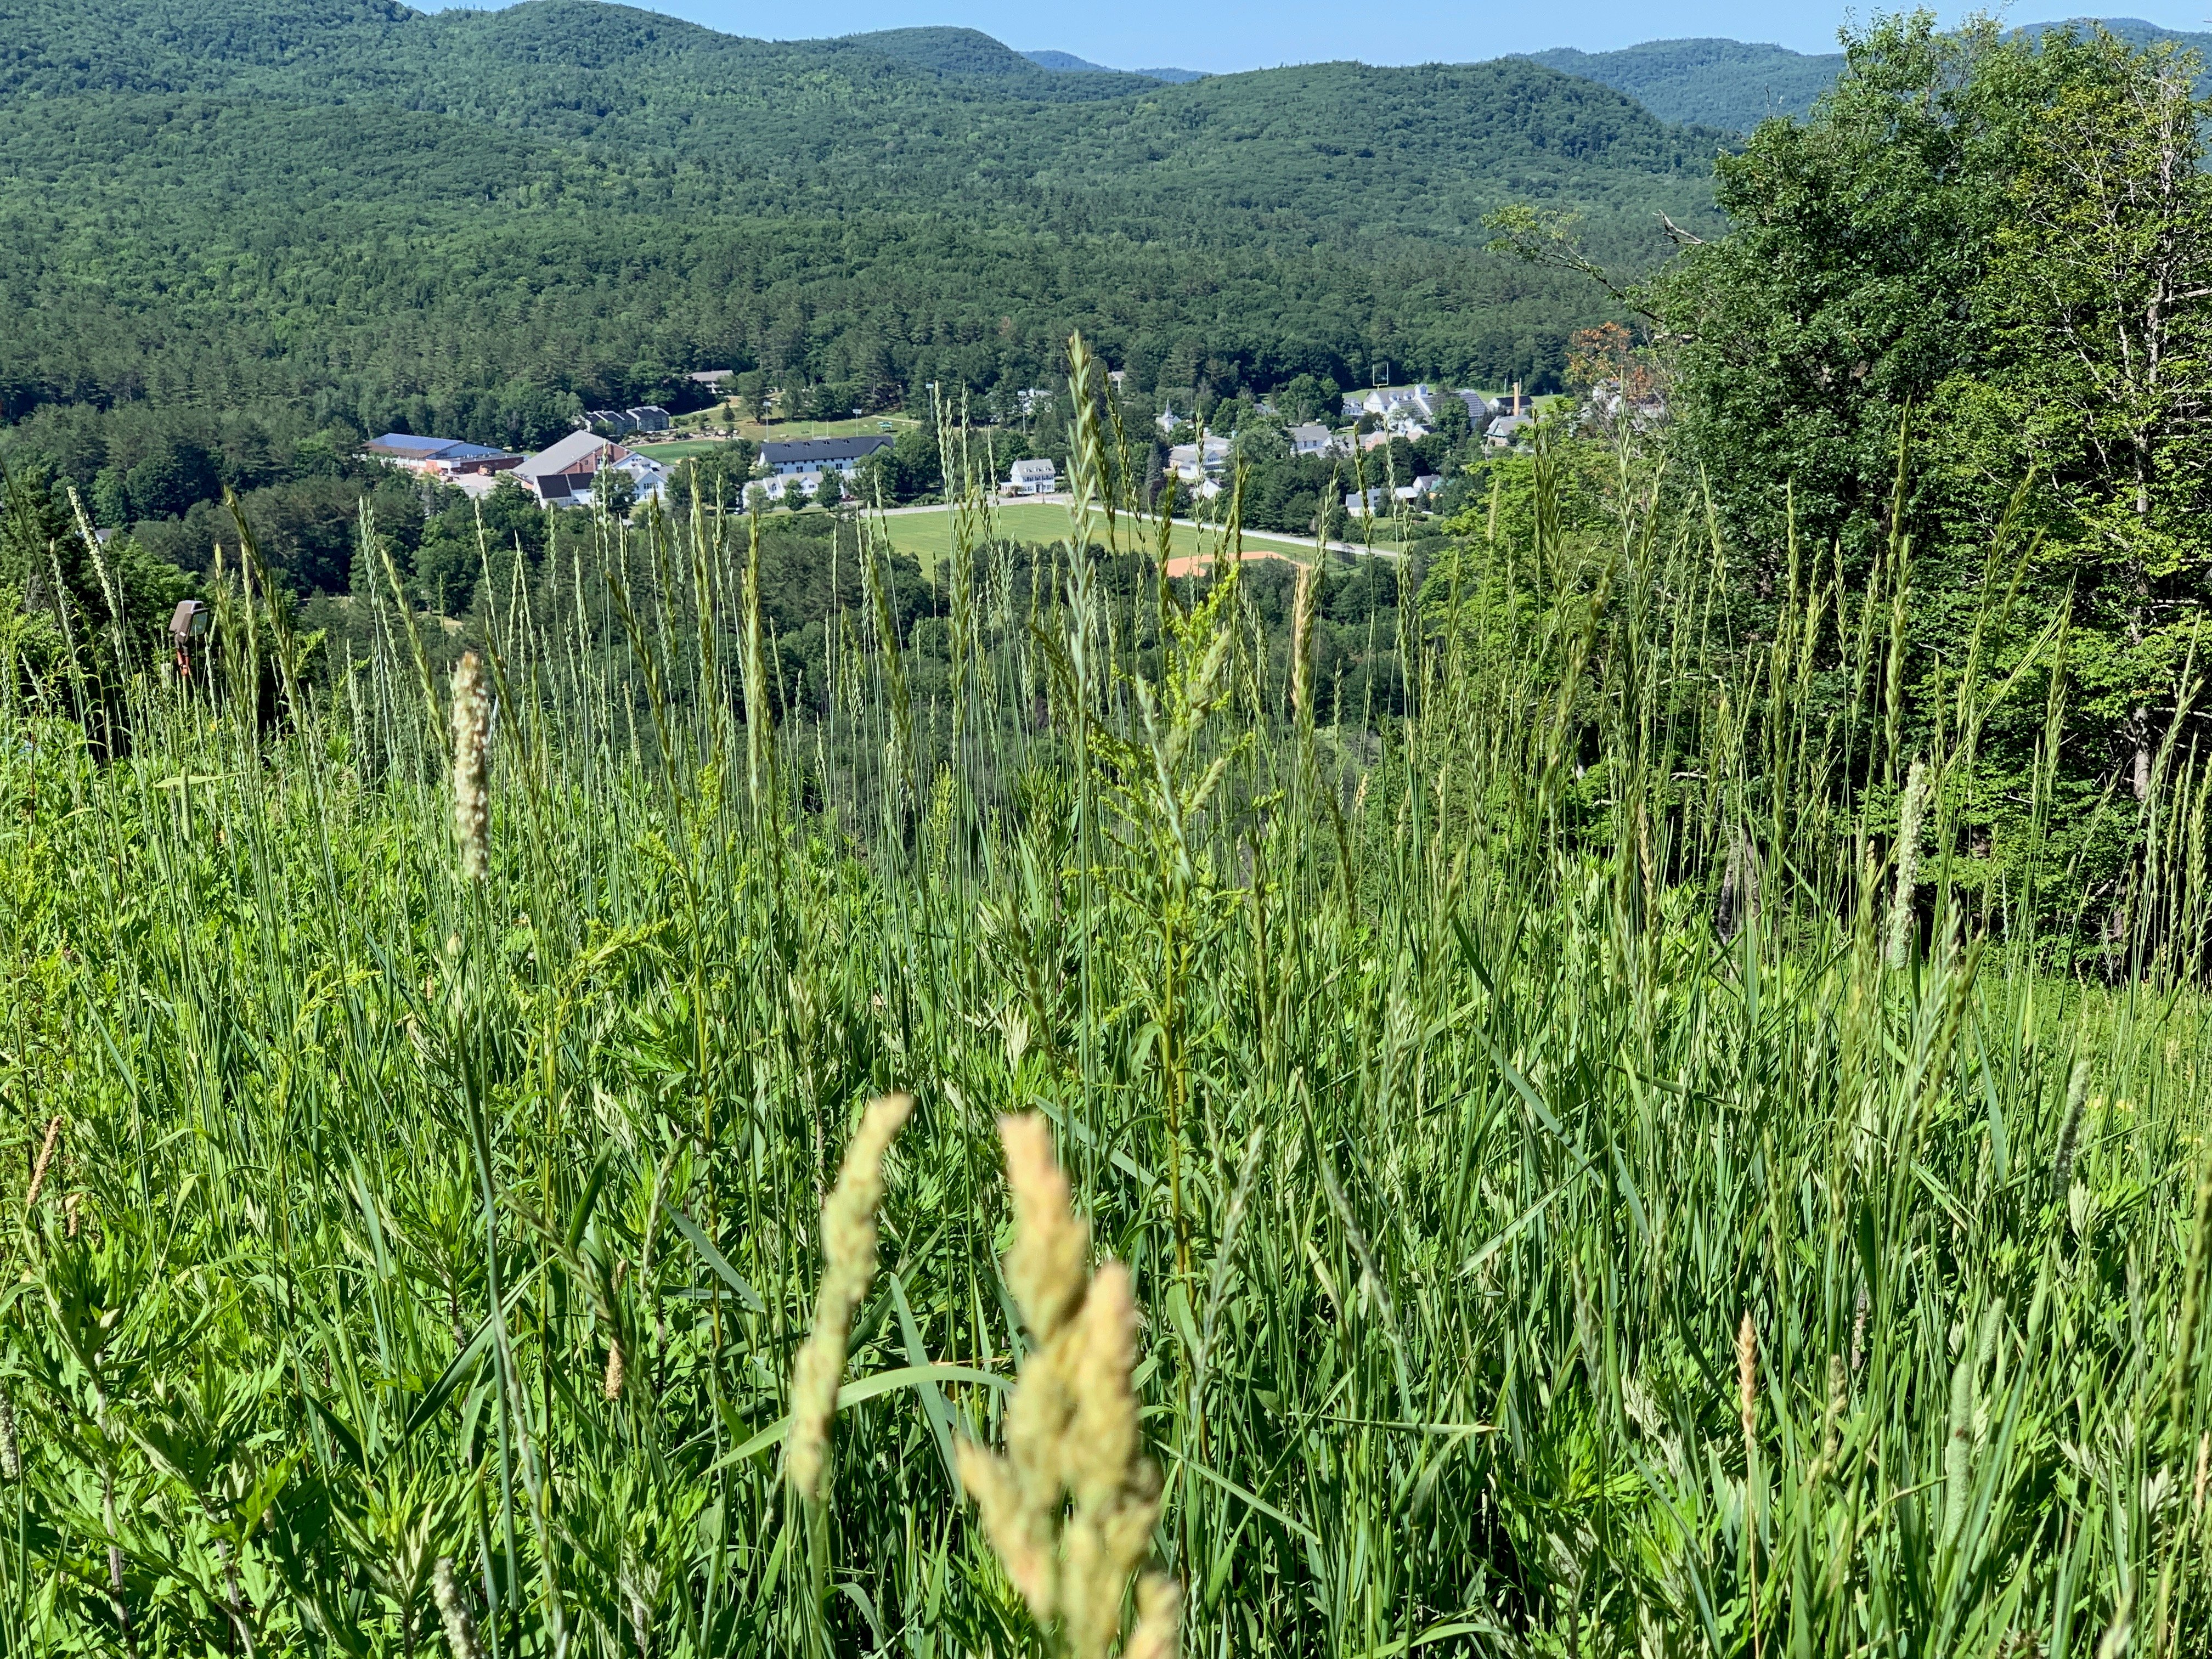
(453, 1612)
(471, 801)
(1072, 1423)
(1020, 1532)
(1302, 609)
(1159, 1608)
(1045, 1267)
(1910, 813)
(611, 1386)
(1746, 1380)
(2069, 1131)
(11, 1450)
(45, 1158)
(848, 1262)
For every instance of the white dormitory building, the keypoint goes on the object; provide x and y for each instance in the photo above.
(817, 455)
(1031, 477)
(1197, 468)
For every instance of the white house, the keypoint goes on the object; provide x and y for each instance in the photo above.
(648, 477)
(1312, 438)
(1034, 477)
(805, 485)
(1194, 462)
(1366, 503)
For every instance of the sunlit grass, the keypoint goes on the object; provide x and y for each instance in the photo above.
(1458, 1090)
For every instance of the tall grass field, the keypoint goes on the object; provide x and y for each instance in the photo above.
(1597, 1171)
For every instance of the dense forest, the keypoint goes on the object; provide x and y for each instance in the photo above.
(573, 196)
(253, 234)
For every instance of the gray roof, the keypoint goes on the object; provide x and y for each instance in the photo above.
(576, 447)
(821, 449)
(438, 449)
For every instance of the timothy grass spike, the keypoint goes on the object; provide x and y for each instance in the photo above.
(471, 801)
(848, 1262)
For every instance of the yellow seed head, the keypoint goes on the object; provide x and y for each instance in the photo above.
(612, 1387)
(45, 1158)
(1159, 1602)
(1071, 1426)
(1045, 1266)
(848, 1262)
(1746, 1380)
(1747, 1372)
(471, 801)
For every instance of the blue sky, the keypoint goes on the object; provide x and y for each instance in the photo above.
(1241, 34)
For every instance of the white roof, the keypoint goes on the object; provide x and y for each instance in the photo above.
(1034, 469)
(564, 455)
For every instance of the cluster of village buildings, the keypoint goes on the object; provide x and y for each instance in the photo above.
(1398, 411)
(565, 473)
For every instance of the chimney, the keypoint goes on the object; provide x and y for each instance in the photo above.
(1516, 409)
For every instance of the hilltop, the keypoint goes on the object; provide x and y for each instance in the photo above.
(1068, 60)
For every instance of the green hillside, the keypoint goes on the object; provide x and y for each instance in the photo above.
(1721, 83)
(1734, 84)
(346, 209)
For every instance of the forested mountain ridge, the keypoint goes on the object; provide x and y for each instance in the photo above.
(1737, 84)
(344, 207)
(1733, 84)
(1057, 61)
(905, 113)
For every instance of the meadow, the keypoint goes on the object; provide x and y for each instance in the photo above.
(1597, 1176)
(929, 534)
